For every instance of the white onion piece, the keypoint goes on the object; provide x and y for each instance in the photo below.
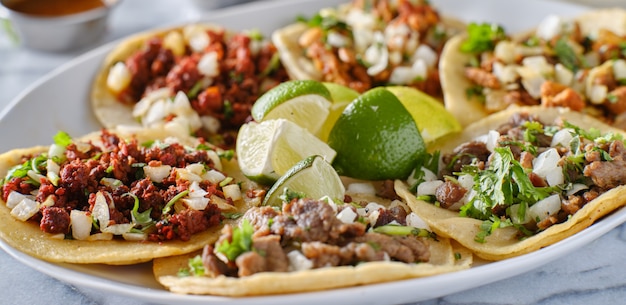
(213, 176)
(361, 188)
(157, 173)
(208, 65)
(347, 215)
(232, 191)
(619, 69)
(221, 203)
(545, 207)
(297, 261)
(119, 77)
(546, 162)
(81, 224)
(118, 229)
(56, 151)
(555, 176)
(562, 137)
(195, 168)
(515, 217)
(563, 75)
(217, 162)
(575, 188)
(490, 139)
(428, 187)
(195, 191)
(184, 174)
(100, 211)
(25, 209)
(427, 54)
(466, 181)
(196, 203)
(415, 221)
(35, 176)
(15, 197)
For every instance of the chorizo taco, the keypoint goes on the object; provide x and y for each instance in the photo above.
(197, 79)
(364, 44)
(312, 245)
(520, 180)
(115, 197)
(577, 63)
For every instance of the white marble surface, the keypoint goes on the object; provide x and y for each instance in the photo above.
(595, 274)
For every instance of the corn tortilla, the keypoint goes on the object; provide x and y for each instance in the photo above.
(503, 242)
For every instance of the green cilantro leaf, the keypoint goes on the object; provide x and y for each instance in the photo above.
(62, 139)
(241, 241)
(482, 37)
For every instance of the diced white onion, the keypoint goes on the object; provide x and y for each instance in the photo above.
(211, 124)
(598, 94)
(196, 203)
(562, 138)
(515, 217)
(35, 176)
(361, 188)
(555, 176)
(118, 229)
(297, 261)
(56, 151)
(575, 188)
(111, 182)
(505, 51)
(545, 207)
(377, 55)
(347, 215)
(157, 173)
(213, 176)
(505, 74)
(428, 187)
(546, 162)
(195, 191)
(402, 75)
(619, 69)
(208, 65)
(550, 27)
(373, 206)
(119, 77)
(25, 209)
(221, 203)
(232, 191)
(415, 221)
(490, 139)
(420, 69)
(563, 75)
(100, 210)
(426, 54)
(336, 39)
(15, 197)
(196, 37)
(80, 224)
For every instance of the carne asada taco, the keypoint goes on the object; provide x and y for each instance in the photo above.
(311, 245)
(115, 198)
(520, 180)
(199, 78)
(364, 44)
(577, 63)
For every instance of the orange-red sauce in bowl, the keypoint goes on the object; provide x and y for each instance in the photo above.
(52, 8)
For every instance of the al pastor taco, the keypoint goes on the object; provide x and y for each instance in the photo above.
(197, 79)
(364, 44)
(115, 198)
(520, 180)
(311, 245)
(577, 63)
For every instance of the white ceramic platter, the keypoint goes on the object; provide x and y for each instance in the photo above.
(59, 101)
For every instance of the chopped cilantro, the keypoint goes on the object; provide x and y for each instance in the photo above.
(195, 267)
(612, 98)
(272, 65)
(143, 219)
(391, 229)
(226, 154)
(232, 215)
(241, 241)
(428, 161)
(289, 195)
(567, 56)
(62, 139)
(475, 91)
(482, 37)
(228, 110)
(193, 92)
(170, 203)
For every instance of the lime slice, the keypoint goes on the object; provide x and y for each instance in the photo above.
(266, 150)
(312, 177)
(341, 96)
(430, 115)
(376, 138)
(304, 102)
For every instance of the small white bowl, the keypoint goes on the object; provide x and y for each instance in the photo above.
(58, 33)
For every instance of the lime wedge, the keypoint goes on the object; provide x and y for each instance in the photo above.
(266, 150)
(312, 177)
(304, 102)
(430, 115)
(341, 96)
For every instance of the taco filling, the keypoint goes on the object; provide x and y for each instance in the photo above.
(117, 189)
(368, 43)
(313, 245)
(197, 79)
(309, 234)
(560, 64)
(526, 174)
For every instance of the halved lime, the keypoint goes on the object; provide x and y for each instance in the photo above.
(312, 177)
(266, 150)
(304, 102)
(376, 138)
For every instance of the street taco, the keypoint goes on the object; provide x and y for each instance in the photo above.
(197, 79)
(520, 180)
(115, 197)
(364, 44)
(577, 63)
(312, 245)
